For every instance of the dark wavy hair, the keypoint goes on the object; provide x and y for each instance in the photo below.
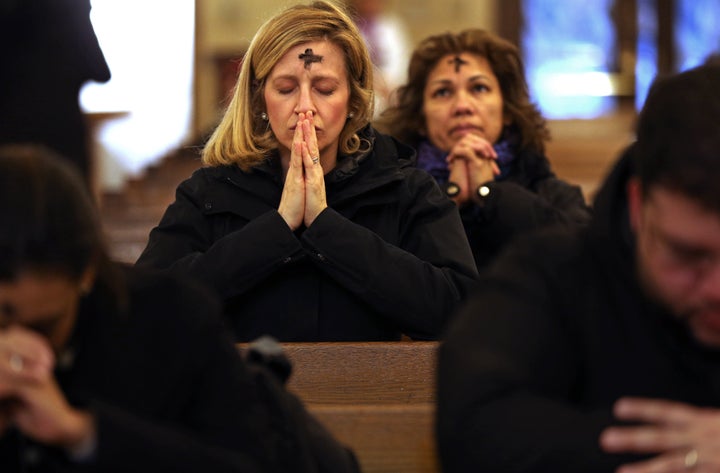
(405, 119)
(49, 221)
(678, 135)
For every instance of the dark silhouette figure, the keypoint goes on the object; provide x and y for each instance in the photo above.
(48, 50)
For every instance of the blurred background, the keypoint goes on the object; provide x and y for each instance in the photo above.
(173, 62)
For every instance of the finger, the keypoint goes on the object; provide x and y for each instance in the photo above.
(463, 152)
(657, 411)
(642, 439)
(480, 146)
(667, 463)
(485, 150)
(25, 354)
(296, 160)
(311, 133)
(310, 139)
(309, 162)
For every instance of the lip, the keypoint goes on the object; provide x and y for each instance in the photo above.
(465, 128)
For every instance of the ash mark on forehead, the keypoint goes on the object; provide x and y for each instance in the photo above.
(309, 57)
(458, 61)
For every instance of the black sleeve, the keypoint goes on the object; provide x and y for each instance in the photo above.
(510, 210)
(184, 243)
(211, 413)
(507, 374)
(418, 283)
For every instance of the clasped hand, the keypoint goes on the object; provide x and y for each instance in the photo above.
(30, 398)
(303, 196)
(683, 437)
(472, 162)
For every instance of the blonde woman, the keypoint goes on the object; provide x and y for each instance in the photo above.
(310, 224)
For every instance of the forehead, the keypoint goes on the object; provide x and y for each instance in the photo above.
(314, 57)
(682, 218)
(34, 294)
(464, 65)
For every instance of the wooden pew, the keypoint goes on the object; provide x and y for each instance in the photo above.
(363, 372)
(378, 398)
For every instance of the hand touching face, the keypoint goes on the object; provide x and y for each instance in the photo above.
(462, 96)
(463, 109)
(303, 196)
(37, 313)
(310, 77)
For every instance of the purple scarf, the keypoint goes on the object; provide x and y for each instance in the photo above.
(432, 159)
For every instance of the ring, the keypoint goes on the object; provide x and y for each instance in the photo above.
(691, 459)
(16, 363)
(315, 159)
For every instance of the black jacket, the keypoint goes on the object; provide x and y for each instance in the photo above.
(150, 358)
(557, 331)
(388, 256)
(530, 197)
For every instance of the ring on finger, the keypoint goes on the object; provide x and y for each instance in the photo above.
(16, 362)
(315, 159)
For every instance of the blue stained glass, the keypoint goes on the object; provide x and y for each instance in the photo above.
(698, 31)
(567, 51)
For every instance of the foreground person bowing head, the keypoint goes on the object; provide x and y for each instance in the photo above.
(310, 224)
(113, 369)
(598, 350)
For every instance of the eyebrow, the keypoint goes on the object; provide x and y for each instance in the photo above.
(470, 79)
(317, 78)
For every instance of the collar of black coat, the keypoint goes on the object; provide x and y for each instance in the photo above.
(611, 216)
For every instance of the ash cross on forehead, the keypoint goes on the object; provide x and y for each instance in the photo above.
(309, 57)
(458, 62)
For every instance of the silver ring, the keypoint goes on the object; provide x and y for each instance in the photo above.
(315, 159)
(16, 363)
(691, 459)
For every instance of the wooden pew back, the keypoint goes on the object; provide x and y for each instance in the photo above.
(363, 372)
(378, 398)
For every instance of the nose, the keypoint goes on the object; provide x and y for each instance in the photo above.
(463, 103)
(305, 102)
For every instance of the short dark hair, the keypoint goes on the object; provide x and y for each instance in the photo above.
(678, 135)
(49, 220)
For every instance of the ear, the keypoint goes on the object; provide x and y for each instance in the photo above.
(635, 202)
(87, 280)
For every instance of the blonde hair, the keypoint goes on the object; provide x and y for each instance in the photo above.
(243, 137)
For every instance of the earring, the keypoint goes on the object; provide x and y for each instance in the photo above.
(350, 115)
(264, 116)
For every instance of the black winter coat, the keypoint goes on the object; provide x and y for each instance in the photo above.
(387, 257)
(557, 331)
(530, 197)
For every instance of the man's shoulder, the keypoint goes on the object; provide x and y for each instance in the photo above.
(550, 254)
